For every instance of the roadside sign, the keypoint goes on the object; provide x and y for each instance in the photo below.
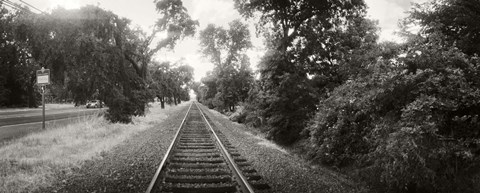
(43, 77)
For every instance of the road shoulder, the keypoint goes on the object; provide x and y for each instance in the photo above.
(128, 167)
(90, 156)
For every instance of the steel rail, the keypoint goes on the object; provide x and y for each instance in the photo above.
(162, 164)
(243, 181)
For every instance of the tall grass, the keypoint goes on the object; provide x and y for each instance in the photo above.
(30, 162)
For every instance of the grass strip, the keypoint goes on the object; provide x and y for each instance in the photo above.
(30, 162)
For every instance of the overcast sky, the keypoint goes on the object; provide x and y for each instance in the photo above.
(220, 12)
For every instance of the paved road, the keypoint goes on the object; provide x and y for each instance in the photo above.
(14, 124)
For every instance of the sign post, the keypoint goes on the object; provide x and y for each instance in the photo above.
(43, 108)
(43, 79)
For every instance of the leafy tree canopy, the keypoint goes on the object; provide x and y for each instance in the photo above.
(170, 83)
(231, 77)
(310, 43)
(92, 53)
(175, 21)
(413, 120)
(458, 20)
(17, 78)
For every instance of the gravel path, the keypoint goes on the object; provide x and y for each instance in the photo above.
(129, 167)
(283, 171)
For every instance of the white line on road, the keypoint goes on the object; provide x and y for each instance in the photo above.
(39, 122)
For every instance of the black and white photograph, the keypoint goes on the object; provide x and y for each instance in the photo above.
(239, 96)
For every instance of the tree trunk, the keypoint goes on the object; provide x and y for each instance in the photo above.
(162, 102)
(31, 94)
(174, 100)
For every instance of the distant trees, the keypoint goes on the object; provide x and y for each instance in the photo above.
(171, 84)
(229, 82)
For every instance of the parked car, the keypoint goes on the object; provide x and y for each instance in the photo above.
(94, 104)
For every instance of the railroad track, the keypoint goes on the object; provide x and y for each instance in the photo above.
(200, 159)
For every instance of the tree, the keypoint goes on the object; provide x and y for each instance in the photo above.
(412, 121)
(92, 53)
(458, 20)
(182, 76)
(231, 78)
(283, 21)
(196, 86)
(171, 83)
(301, 38)
(88, 57)
(159, 81)
(17, 79)
(175, 21)
(208, 89)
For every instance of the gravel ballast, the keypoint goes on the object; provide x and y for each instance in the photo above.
(283, 171)
(128, 167)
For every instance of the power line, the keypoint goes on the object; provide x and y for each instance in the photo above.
(19, 7)
(14, 6)
(8, 4)
(11, 7)
(28, 4)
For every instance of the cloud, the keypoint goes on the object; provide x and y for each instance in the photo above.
(388, 13)
(219, 12)
(405, 4)
(402, 4)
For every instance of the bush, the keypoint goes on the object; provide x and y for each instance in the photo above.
(218, 102)
(118, 111)
(415, 127)
(339, 129)
(282, 97)
(239, 115)
(208, 103)
(123, 104)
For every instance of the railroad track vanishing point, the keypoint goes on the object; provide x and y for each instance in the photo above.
(200, 159)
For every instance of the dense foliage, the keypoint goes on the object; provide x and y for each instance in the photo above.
(308, 42)
(402, 117)
(170, 83)
(88, 50)
(459, 20)
(413, 121)
(92, 54)
(416, 127)
(17, 77)
(230, 80)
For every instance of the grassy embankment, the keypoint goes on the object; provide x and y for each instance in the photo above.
(30, 162)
